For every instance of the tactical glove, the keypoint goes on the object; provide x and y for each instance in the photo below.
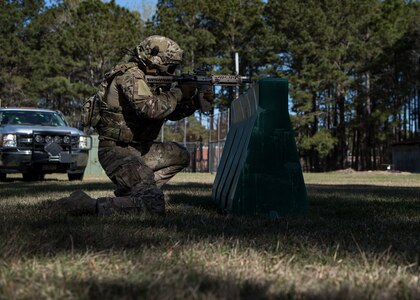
(177, 93)
(205, 101)
(208, 96)
(188, 90)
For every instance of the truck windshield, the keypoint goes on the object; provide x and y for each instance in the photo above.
(40, 118)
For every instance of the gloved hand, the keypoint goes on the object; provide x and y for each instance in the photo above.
(176, 91)
(188, 90)
(174, 85)
(206, 101)
(208, 96)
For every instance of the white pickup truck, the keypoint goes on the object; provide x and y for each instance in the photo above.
(36, 142)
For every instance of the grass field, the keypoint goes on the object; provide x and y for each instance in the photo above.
(361, 240)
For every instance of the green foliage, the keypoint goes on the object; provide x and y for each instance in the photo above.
(14, 16)
(211, 32)
(322, 141)
(185, 21)
(343, 61)
(189, 130)
(69, 48)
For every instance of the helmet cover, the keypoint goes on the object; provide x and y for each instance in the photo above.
(159, 52)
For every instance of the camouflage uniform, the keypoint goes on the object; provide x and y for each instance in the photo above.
(132, 115)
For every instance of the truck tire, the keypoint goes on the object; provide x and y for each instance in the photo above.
(75, 176)
(33, 176)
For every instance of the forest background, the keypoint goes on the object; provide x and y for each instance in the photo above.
(353, 65)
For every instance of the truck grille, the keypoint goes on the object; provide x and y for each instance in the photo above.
(38, 140)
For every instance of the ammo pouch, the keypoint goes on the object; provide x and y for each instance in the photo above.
(112, 126)
(126, 135)
(118, 134)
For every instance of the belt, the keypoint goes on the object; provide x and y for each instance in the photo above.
(109, 143)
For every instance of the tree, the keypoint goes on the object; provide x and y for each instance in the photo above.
(185, 21)
(239, 27)
(336, 56)
(14, 18)
(378, 32)
(314, 58)
(74, 44)
(188, 130)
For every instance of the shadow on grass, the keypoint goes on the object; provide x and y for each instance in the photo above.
(371, 219)
(201, 198)
(31, 189)
(187, 285)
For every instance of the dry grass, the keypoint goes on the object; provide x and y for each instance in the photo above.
(360, 240)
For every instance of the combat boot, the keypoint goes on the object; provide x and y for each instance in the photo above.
(78, 203)
(150, 198)
(120, 191)
(106, 206)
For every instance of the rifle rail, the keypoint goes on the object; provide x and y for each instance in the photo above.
(225, 80)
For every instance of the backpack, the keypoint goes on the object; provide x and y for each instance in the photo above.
(91, 113)
(91, 109)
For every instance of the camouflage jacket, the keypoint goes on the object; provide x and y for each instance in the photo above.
(133, 112)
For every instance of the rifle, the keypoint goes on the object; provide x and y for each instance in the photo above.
(202, 81)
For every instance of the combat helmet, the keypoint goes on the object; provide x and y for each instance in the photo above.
(159, 53)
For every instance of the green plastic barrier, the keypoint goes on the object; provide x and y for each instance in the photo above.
(259, 172)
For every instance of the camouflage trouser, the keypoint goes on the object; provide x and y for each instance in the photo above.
(139, 173)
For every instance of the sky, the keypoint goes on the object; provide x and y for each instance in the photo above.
(146, 7)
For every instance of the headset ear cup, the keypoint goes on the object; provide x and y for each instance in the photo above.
(154, 51)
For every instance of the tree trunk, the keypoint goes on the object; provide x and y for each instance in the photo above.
(313, 131)
(341, 132)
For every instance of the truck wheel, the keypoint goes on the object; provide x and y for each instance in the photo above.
(3, 176)
(33, 176)
(75, 176)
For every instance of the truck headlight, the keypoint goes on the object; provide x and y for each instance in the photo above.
(8, 140)
(39, 139)
(85, 142)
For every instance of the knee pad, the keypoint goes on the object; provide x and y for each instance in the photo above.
(183, 156)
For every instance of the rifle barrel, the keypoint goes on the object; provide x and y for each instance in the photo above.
(229, 80)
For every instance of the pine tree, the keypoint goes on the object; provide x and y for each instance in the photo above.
(14, 51)
(185, 22)
(74, 44)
